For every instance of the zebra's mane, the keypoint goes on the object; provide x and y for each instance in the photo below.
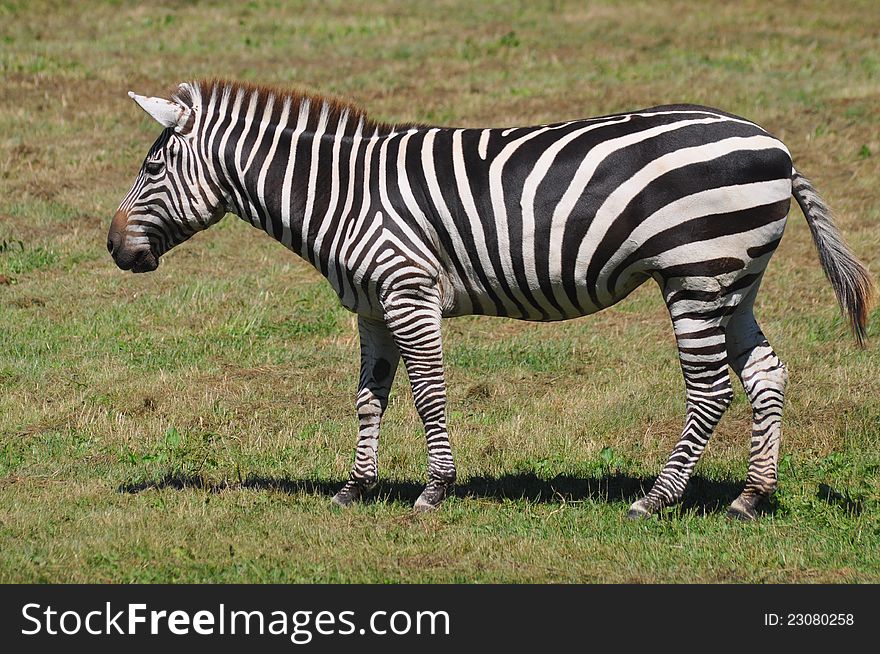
(190, 92)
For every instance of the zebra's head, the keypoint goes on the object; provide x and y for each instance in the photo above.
(172, 197)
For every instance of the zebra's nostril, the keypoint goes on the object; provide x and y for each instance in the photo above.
(113, 244)
(116, 234)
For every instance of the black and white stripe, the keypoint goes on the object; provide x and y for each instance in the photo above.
(412, 224)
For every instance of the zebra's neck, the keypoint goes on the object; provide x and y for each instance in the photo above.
(298, 168)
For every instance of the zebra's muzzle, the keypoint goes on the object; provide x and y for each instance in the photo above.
(136, 260)
(139, 261)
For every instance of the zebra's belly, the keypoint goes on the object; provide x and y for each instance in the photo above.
(542, 301)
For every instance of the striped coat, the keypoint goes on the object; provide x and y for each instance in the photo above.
(411, 224)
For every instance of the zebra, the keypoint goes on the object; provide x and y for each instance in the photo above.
(412, 223)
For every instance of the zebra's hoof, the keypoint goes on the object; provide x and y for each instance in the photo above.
(350, 493)
(744, 508)
(739, 514)
(423, 506)
(435, 492)
(638, 511)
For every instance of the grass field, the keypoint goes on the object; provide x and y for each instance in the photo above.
(191, 425)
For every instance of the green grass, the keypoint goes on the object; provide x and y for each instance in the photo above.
(191, 425)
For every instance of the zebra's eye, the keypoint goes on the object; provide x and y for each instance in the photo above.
(153, 167)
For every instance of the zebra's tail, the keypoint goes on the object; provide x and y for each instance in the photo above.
(850, 279)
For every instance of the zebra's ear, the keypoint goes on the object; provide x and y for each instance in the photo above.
(164, 112)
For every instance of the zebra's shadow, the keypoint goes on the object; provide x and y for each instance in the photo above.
(703, 495)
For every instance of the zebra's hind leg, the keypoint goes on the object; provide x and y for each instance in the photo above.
(413, 316)
(764, 378)
(379, 359)
(702, 351)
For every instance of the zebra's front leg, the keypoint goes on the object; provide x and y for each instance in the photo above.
(413, 316)
(702, 350)
(379, 359)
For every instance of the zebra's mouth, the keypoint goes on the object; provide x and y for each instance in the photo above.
(147, 262)
(141, 262)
